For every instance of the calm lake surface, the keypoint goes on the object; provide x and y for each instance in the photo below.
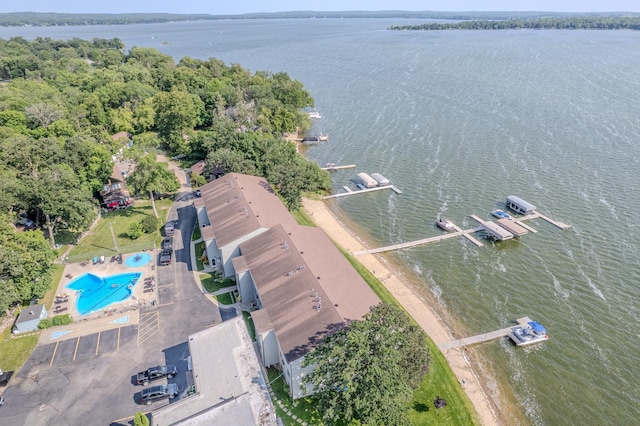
(458, 120)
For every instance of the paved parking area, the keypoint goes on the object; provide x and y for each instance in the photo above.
(85, 376)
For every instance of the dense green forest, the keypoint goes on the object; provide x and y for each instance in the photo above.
(572, 23)
(60, 104)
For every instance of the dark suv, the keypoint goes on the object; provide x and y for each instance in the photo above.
(154, 393)
(166, 243)
(165, 257)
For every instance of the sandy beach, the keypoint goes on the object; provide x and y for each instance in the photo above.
(459, 361)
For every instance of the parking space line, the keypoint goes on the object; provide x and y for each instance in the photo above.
(165, 285)
(54, 354)
(76, 351)
(98, 343)
(118, 341)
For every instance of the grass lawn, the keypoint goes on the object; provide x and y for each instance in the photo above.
(196, 232)
(440, 381)
(302, 218)
(199, 250)
(100, 241)
(251, 327)
(226, 298)
(14, 351)
(56, 276)
(211, 283)
(304, 408)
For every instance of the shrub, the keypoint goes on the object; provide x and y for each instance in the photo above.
(62, 320)
(135, 231)
(45, 323)
(140, 419)
(149, 224)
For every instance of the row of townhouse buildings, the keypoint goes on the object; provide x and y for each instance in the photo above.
(296, 283)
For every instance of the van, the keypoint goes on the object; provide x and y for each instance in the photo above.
(168, 229)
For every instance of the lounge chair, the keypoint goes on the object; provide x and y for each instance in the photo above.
(96, 259)
(101, 259)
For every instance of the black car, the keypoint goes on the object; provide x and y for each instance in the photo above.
(165, 257)
(156, 372)
(155, 393)
(166, 243)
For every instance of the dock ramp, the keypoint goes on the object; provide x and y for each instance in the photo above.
(513, 227)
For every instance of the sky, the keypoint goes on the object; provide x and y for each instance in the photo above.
(234, 7)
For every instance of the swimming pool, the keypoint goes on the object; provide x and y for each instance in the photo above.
(97, 293)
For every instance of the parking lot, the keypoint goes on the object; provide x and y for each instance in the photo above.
(89, 378)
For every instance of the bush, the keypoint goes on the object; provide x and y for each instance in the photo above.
(62, 320)
(149, 224)
(135, 231)
(45, 323)
(140, 419)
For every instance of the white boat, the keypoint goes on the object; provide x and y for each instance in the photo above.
(445, 225)
(529, 334)
(314, 114)
(382, 181)
(367, 181)
(500, 214)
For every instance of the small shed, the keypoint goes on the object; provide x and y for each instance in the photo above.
(29, 318)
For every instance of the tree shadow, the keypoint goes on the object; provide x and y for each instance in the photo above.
(420, 407)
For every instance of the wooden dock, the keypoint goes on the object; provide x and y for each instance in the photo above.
(333, 168)
(361, 191)
(458, 233)
(484, 337)
(536, 215)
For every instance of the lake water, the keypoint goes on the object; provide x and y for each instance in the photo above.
(459, 120)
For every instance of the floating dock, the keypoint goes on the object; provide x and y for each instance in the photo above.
(361, 191)
(484, 337)
(334, 167)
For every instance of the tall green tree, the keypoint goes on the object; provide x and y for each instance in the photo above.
(25, 264)
(152, 177)
(367, 372)
(176, 115)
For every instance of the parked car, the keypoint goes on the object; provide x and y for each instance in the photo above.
(155, 393)
(154, 373)
(168, 229)
(165, 256)
(198, 193)
(166, 243)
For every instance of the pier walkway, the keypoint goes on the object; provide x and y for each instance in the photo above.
(332, 168)
(458, 233)
(361, 191)
(484, 337)
(536, 215)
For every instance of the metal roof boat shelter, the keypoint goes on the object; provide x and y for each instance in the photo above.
(513, 227)
(519, 205)
(495, 231)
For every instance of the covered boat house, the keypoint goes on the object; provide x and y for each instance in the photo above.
(519, 205)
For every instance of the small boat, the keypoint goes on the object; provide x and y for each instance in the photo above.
(445, 225)
(314, 114)
(528, 334)
(323, 138)
(501, 215)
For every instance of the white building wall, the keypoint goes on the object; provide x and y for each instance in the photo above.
(297, 373)
(232, 250)
(269, 348)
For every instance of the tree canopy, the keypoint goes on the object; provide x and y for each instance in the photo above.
(368, 371)
(62, 100)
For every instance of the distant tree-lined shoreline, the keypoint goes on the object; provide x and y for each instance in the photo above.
(573, 23)
(79, 19)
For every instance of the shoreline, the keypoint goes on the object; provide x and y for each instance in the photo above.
(469, 377)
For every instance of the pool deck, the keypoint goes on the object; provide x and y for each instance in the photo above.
(139, 298)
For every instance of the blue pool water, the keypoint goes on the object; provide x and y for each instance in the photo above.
(97, 293)
(138, 259)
